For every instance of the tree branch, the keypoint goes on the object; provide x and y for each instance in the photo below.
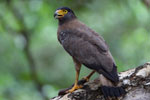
(135, 81)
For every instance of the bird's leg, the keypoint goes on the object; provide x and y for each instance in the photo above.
(89, 76)
(76, 86)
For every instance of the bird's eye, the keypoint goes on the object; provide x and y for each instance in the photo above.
(65, 11)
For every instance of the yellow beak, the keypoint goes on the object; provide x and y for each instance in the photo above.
(59, 14)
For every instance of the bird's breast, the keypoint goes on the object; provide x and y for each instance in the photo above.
(62, 36)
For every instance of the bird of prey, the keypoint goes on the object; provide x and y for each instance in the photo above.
(88, 48)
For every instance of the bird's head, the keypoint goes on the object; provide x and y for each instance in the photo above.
(64, 13)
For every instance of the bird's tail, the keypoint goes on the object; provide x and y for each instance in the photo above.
(111, 89)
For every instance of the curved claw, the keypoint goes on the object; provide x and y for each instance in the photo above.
(64, 91)
(75, 87)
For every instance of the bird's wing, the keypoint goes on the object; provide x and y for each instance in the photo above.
(90, 49)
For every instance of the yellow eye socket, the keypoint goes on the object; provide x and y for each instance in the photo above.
(65, 11)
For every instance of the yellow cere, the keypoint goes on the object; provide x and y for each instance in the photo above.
(61, 12)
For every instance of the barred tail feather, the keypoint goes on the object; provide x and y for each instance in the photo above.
(112, 91)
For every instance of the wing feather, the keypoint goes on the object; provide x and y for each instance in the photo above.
(89, 48)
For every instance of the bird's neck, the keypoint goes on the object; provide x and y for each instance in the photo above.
(65, 20)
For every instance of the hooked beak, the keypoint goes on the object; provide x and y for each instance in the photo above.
(59, 14)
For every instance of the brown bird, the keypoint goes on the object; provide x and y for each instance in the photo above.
(88, 48)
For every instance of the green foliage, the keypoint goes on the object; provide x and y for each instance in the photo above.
(125, 25)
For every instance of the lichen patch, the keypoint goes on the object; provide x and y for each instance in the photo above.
(144, 72)
(128, 73)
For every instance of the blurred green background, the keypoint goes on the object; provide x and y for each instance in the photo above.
(34, 66)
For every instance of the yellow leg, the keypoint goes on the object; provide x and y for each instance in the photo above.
(89, 76)
(76, 86)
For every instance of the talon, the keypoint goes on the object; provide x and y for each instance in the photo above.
(85, 78)
(75, 87)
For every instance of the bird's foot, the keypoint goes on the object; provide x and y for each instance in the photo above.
(75, 87)
(64, 91)
(86, 79)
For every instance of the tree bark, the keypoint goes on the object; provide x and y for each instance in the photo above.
(135, 81)
(147, 3)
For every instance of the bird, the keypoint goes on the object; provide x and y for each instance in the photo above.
(87, 48)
